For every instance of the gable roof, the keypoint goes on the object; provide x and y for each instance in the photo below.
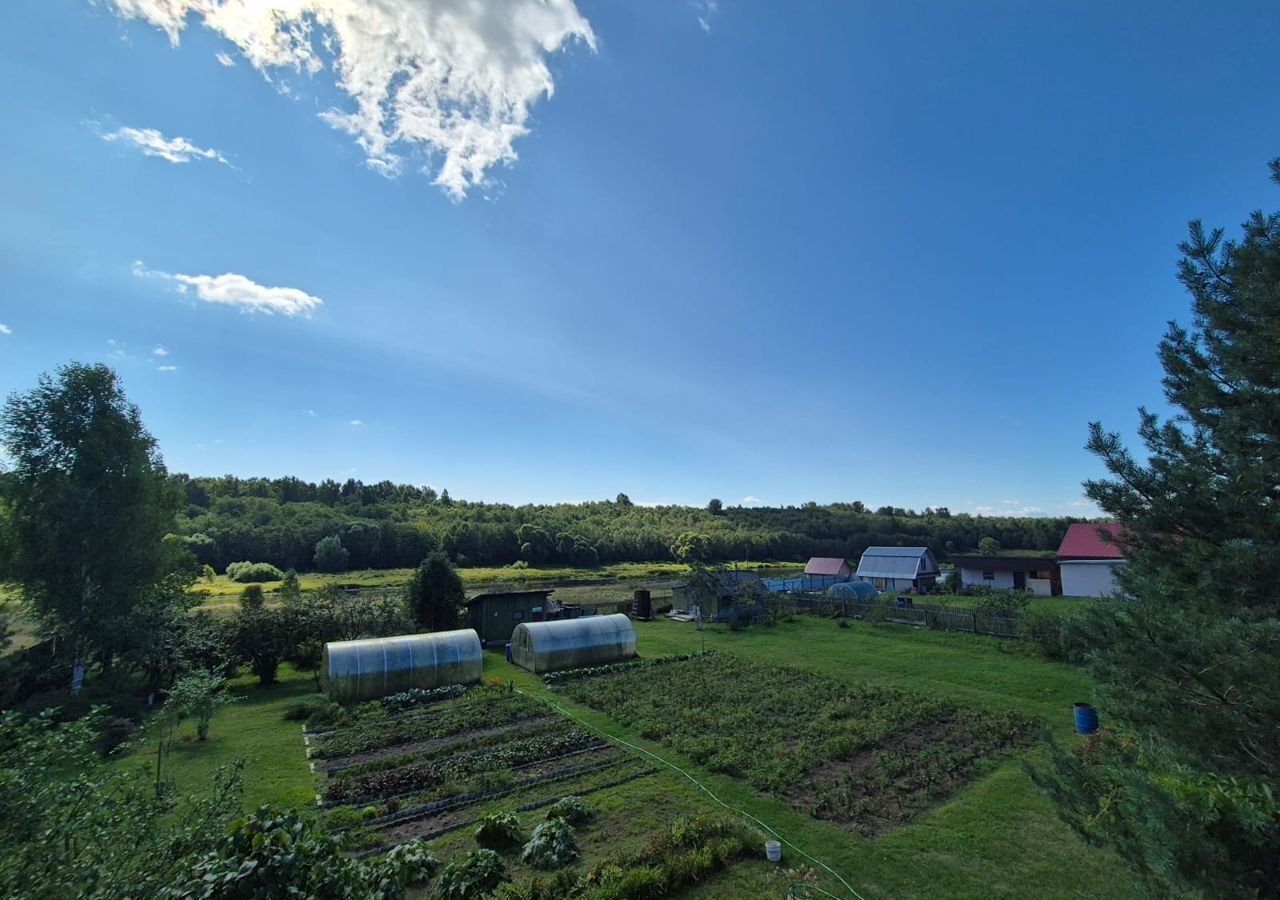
(1084, 540)
(896, 562)
(825, 565)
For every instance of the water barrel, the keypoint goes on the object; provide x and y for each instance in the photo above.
(508, 646)
(643, 604)
(1086, 719)
(773, 850)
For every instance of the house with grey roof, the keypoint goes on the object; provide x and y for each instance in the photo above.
(898, 568)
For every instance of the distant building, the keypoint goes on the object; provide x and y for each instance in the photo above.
(1088, 558)
(496, 614)
(683, 601)
(898, 568)
(1038, 574)
(824, 571)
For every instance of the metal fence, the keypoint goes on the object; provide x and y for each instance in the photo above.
(945, 618)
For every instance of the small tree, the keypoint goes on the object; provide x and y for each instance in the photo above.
(330, 555)
(262, 637)
(290, 590)
(199, 694)
(988, 546)
(714, 506)
(435, 593)
(252, 597)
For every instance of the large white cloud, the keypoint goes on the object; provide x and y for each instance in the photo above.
(153, 143)
(456, 78)
(232, 289)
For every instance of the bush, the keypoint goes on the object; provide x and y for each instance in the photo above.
(249, 572)
(328, 714)
(499, 831)
(474, 875)
(252, 597)
(573, 810)
(1002, 602)
(330, 555)
(301, 710)
(552, 845)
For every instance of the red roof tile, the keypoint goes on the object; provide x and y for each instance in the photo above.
(825, 565)
(1085, 540)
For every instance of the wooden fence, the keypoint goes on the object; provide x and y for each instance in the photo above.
(945, 618)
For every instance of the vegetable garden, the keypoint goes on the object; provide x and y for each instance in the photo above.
(862, 756)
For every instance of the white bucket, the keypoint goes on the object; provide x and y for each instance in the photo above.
(773, 850)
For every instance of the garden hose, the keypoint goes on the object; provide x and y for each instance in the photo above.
(670, 765)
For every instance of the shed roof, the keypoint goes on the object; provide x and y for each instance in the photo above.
(896, 562)
(825, 565)
(1006, 563)
(1092, 540)
(492, 594)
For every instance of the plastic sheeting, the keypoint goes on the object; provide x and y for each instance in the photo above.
(854, 590)
(569, 643)
(367, 669)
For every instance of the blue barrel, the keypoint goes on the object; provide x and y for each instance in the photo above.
(508, 647)
(1086, 719)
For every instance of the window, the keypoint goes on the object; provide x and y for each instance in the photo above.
(517, 615)
(1045, 576)
(879, 582)
(988, 575)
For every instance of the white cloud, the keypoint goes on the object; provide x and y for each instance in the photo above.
(166, 368)
(5, 329)
(157, 350)
(454, 78)
(310, 412)
(153, 143)
(224, 58)
(233, 289)
(750, 501)
(706, 11)
(356, 423)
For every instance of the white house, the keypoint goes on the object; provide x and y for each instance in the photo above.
(1037, 574)
(1088, 559)
(898, 568)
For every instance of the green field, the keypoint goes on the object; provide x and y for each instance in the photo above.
(995, 837)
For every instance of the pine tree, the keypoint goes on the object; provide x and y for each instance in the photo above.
(1188, 667)
(435, 593)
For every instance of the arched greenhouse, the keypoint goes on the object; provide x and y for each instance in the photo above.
(569, 643)
(854, 590)
(367, 669)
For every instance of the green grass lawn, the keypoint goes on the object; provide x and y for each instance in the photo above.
(997, 837)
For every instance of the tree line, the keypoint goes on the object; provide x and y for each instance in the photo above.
(295, 524)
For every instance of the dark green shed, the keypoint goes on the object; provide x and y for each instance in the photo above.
(496, 614)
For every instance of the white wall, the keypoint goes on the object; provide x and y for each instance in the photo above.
(974, 576)
(1041, 587)
(1089, 577)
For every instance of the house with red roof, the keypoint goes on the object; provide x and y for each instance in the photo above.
(829, 567)
(1088, 558)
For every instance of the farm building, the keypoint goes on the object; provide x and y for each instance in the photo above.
(1037, 574)
(683, 601)
(496, 614)
(898, 568)
(367, 669)
(570, 643)
(1088, 558)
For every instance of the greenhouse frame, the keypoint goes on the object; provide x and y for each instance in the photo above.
(570, 643)
(372, 668)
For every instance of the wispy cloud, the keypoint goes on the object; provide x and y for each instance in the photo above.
(356, 423)
(232, 289)
(154, 143)
(225, 58)
(453, 79)
(309, 412)
(157, 350)
(706, 11)
(750, 501)
(5, 329)
(166, 368)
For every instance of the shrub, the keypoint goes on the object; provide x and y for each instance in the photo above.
(552, 845)
(301, 710)
(252, 597)
(250, 572)
(328, 714)
(573, 810)
(499, 830)
(410, 863)
(1002, 603)
(474, 875)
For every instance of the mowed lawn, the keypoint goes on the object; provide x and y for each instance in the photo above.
(996, 838)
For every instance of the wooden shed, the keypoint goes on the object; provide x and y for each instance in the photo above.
(495, 615)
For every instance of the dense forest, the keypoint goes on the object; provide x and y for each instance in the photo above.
(281, 521)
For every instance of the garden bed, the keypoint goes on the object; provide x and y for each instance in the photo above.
(862, 756)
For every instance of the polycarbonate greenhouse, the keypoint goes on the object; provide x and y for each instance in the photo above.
(854, 590)
(367, 669)
(569, 643)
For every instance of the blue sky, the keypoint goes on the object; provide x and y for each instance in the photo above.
(901, 253)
